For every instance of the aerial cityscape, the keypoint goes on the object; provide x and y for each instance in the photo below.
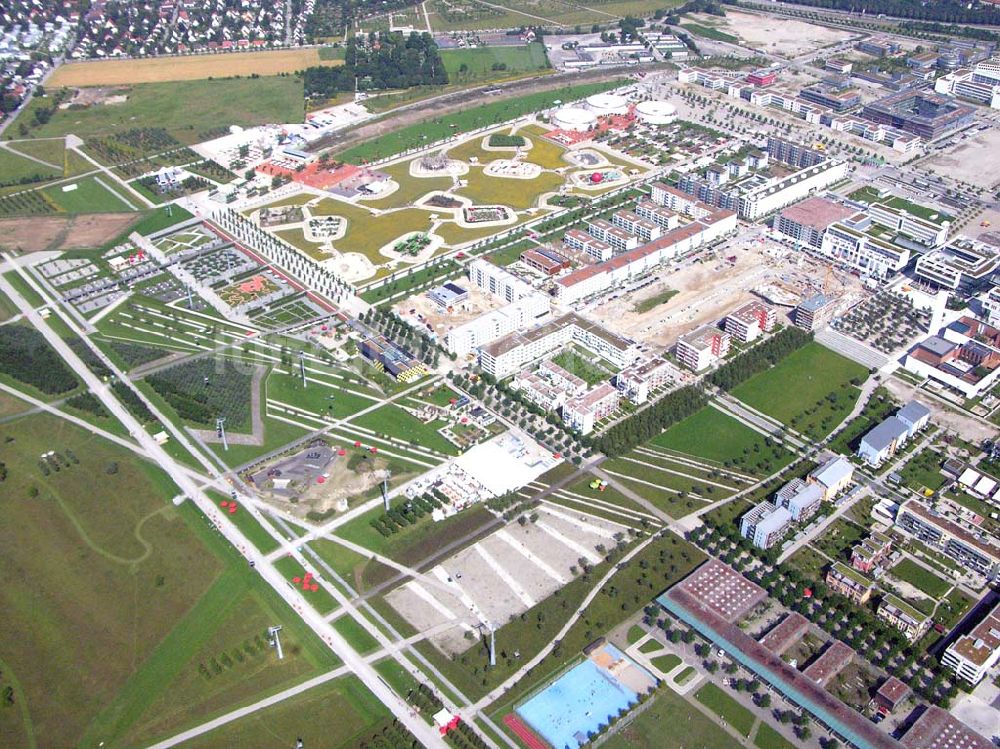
(522, 374)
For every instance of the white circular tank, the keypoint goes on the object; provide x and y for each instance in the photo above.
(576, 119)
(607, 104)
(656, 112)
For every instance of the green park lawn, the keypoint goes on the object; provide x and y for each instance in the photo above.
(710, 32)
(920, 578)
(339, 714)
(768, 738)
(671, 721)
(718, 437)
(104, 576)
(188, 110)
(801, 381)
(411, 189)
(468, 119)
(720, 703)
(515, 193)
(14, 169)
(394, 422)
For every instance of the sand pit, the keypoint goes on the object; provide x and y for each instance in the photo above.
(975, 161)
(780, 36)
(351, 266)
(36, 233)
(510, 169)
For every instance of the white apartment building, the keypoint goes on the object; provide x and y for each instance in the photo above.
(702, 347)
(750, 321)
(582, 241)
(634, 225)
(927, 231)
(512, 352)
(991, 305)
(965, 266)
(639, 380)
(658, 214)
(486, 328)
(584, 411)
(778, 192)
(497, 281)
(619, 239)
(972, 656)
(847, 242)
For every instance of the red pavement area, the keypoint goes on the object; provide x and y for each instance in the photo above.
(523, 732)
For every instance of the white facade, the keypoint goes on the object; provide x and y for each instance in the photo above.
(779, 192)
(487, 328)
(845, 243)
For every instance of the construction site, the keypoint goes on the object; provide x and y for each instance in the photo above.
(709, 285)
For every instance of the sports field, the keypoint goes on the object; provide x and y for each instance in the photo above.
(480, 64)
(188, 110)
(90, 196)
(192, 68)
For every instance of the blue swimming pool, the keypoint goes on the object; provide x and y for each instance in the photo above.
(577, 703)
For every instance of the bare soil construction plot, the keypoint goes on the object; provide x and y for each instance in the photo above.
(63, 233)
(708, 290)
(503, 575)
(779, 36)
(478, 303)
(975, 161)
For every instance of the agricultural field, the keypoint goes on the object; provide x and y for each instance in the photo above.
(482, 64)
(812, 379)
(196, 67)
(191, 111)
(203, 389)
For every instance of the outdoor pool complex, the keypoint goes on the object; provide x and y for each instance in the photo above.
(577, 703)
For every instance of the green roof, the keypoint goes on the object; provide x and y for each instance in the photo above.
(906, 608)
(851, 574)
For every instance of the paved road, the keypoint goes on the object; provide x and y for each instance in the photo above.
(193, 491)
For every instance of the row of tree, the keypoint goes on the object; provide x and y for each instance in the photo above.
(760, 357)
(377, 62)
(646, 424)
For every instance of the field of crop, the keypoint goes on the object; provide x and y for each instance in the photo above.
(188, 110)
(710, 32)
(480, 64)
(204, 389)
(195, 67)
(470, 119)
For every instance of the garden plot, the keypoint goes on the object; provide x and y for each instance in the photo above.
(504, 574)
(68, 271)
(217, 267)
(194, 238)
